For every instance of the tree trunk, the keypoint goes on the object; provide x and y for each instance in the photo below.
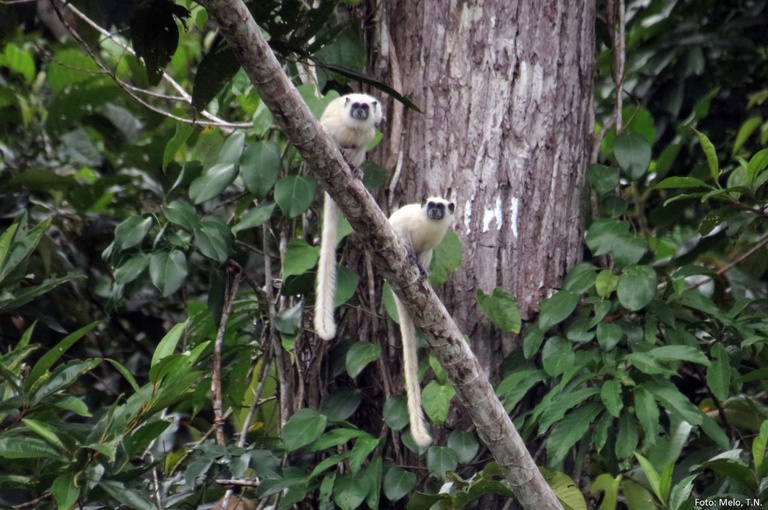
(505, 87)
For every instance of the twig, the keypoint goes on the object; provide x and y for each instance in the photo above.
(129, 89)
(232, 284)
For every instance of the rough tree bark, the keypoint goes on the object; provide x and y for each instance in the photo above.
(506, 90)
(472, 386)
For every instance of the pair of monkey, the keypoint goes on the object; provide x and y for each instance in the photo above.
(351, 121)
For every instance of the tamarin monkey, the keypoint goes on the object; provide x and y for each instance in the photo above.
(351, 121)
(420, 227)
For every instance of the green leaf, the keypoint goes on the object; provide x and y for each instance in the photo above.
(155, 36)
(681, 182)
(62, 377)
(532, 342)
(180, 136)
(709, 152)
(581, 278)
(633, 153)
(464, 444)
(288, 320)
(19, 61)
(303, 428)
(213, 182)
(610, 487)
(745, 131)
(569, 431)
(557, 308)
(128, 497)
(294, 194)
(501, 308)
(717, 217)
(609, 335)
(681, 493)
(516, 385)
(561, 404)
(254, 217)
(605, 234)
(758, 448)
(347, 281)
(374, 473)
(610, 394)
(131, 269)
(182, 214)
(345, 50)
(679, 353)
(342, 403)
(674, 401)
(19, 447)
(45, 431)
(132, 231)
(446, 259)
(440, 460)
(606, 282)
(50, 357)
(647, 413)
(715, 432)
(398, 482)
(651, 474)
(349, 492)
(603, 179)
(437, 401)
(168, 270)
(168, 344)
(329, 462)
(359, 355)
(214, 71)
(396, 412)
(637, 287)
(626, 439)
(364, 446)
(138, 441)
(214, 239)
(557, 355)
(65, 492)
(259, 167)
(335, 437)
(756, 165)
(232, 149)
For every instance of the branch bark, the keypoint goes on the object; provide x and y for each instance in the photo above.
(389, 256)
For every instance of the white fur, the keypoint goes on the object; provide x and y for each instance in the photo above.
(421, 235)
(353, 136)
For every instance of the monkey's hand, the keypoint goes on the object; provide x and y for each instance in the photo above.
(349, 157)
(414, 259)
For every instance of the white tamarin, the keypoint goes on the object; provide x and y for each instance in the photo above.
(420, 227)
(351, 121)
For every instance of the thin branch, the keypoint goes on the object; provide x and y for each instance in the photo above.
(131, 89)
(234, 277)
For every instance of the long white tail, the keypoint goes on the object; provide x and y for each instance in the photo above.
(325, 325)
(411, 372)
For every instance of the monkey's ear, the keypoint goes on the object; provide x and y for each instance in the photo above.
(423, 200)
(346, 101)
(451, 206)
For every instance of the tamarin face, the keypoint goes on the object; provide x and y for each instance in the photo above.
(436, 209)
(360, 110)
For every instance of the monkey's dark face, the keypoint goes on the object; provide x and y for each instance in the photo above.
(437, 210)
(360, 111)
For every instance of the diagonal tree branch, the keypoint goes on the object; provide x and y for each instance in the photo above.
(389, 255)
